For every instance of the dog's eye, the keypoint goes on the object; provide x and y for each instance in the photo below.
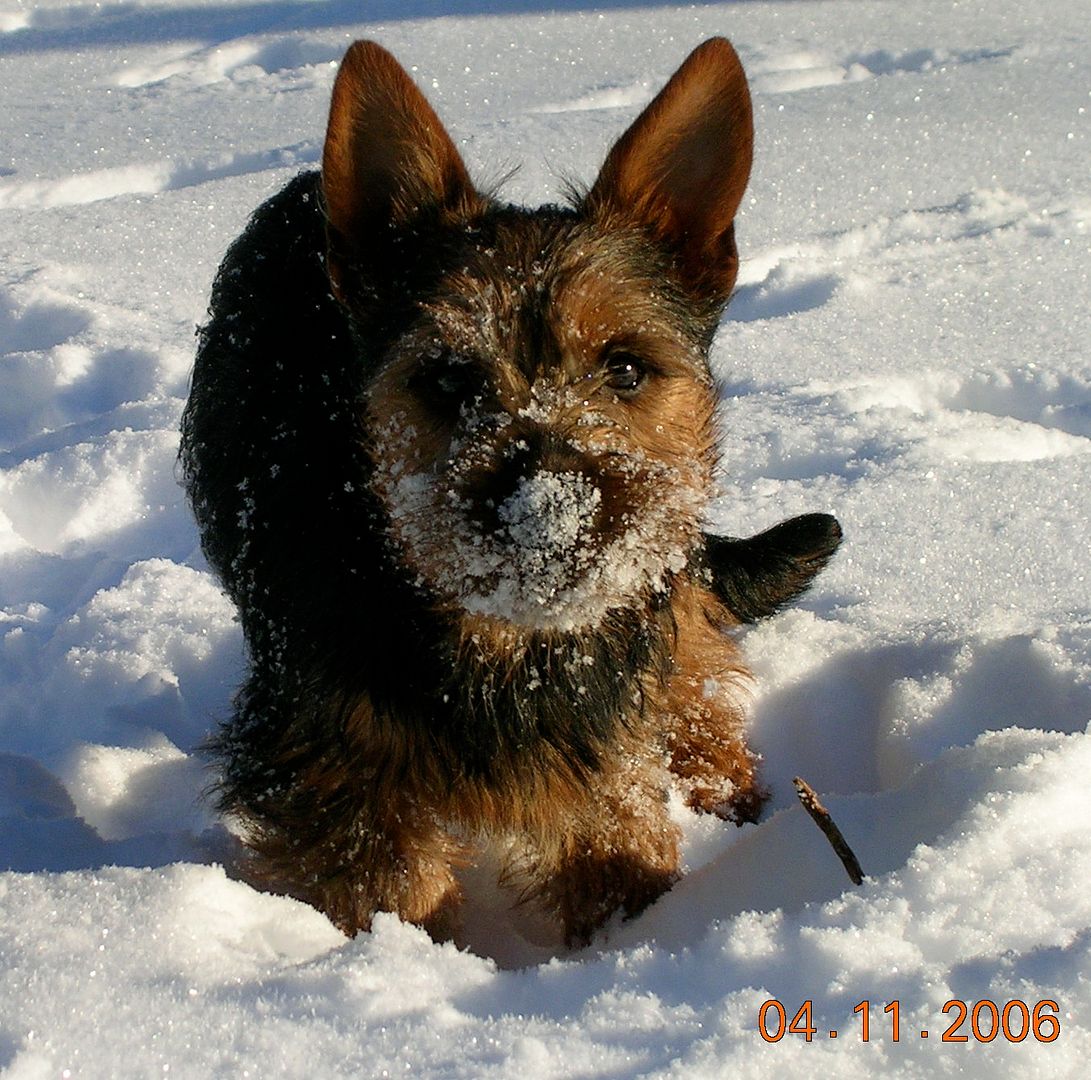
(457, 380)
(625, 372)
(449, 380)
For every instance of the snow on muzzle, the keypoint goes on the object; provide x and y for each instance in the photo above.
(542, 530)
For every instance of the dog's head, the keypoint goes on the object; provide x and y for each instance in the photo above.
(538, 397)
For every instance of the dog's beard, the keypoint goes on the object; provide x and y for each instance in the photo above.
(562, 548)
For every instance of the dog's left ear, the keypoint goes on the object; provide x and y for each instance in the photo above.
(680, 170)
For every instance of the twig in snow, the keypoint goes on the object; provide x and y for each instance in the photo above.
(809, 797)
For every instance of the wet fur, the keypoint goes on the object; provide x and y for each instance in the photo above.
(385, 721)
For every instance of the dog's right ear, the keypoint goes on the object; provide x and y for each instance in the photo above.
(387, 158)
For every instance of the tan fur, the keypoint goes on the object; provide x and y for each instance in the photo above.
(663, 171)
(387, 156)
(703, 713)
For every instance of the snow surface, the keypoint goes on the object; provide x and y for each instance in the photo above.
(908, 349)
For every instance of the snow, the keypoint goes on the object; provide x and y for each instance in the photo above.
(907, 349)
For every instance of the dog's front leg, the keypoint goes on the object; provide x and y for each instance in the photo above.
(702, 714)
(400, 861)
(384, 854)
(337, 821)
(616, 850)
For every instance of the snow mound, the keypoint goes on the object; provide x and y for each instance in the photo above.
(907, 349)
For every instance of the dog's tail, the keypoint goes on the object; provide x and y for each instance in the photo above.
(756, 577)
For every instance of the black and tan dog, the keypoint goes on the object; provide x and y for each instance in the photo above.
(451, 459)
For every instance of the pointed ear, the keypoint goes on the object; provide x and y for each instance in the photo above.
(387, 158)
(680, 171)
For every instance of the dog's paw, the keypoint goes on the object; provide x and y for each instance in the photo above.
(589, 895)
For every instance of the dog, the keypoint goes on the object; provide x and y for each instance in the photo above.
(450, 458)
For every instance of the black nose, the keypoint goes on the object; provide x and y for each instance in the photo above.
(524, 455)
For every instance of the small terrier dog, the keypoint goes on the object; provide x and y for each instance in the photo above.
(450, 459)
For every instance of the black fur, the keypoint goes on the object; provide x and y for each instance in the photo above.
(757, 577)
(273, 459)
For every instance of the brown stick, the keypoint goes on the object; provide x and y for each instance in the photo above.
(809, 797)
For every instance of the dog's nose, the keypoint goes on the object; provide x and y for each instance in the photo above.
(528, 479)
(548, 452)
(550, 514)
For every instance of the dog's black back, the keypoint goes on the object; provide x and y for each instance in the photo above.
(273, 460)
